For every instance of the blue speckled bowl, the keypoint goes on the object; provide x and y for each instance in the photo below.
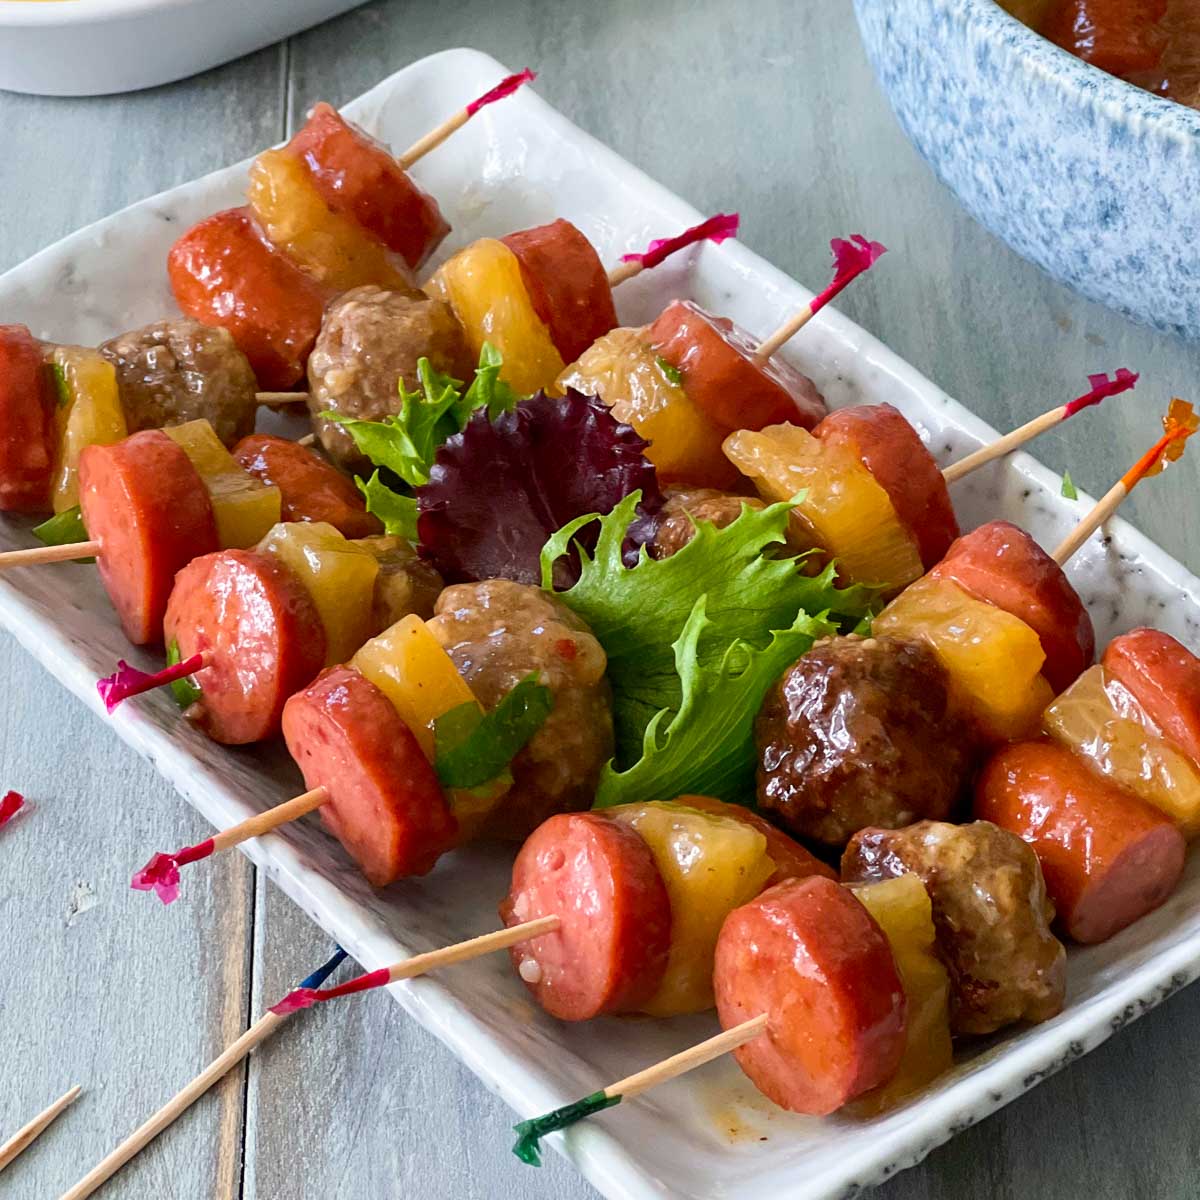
(1092, 179)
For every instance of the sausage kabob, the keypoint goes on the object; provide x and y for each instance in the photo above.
(639, 959)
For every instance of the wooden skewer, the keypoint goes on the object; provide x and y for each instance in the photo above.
(281, 814)
(27, 1135)
(785, 332)
(306, 440)
(1107, 505)
(1006, 444)
(623, 271)
(36, 555)
(280, 399)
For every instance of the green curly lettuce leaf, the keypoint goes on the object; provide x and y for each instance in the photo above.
(397, 511)
(751, 588)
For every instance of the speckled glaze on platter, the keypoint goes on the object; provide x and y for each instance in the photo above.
(1087, 176)
(708, 1135)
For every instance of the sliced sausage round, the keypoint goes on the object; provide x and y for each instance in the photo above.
(177, 371)
(147, 506)
(386, 805)
(359, 178)
(223, 272)
(1107, 856)
(1163, 676)
(27, 431)
(891, 449)
(721, 376)
(1004, 566)
(811, 957)
(791, 859)
(567, 285)
(598, 877)
(990, 912)
(859, 732)
(260, 633)
(309, 488)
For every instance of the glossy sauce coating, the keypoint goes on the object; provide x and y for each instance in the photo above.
(858, 732)
(1163, 676)
(1004, 566)
(309, 488)
(1108, 857)
(567, 285)
(261, 633)
(686, 507)
(224, 273)
(147, 506)
(27, 435)
(892, 450)
(721, 376)
(811, 957)
(599, 878)
(386, 805)
(357, 177)
(990, 910)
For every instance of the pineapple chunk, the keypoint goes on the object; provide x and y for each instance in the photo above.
(994, 659)
(407, 663)
(337, 574)
(244, 508)
(626, 374)
(845, 511)
(89, 413)
(332, 248)
(482, 284)
(1098, 719)
(902, 909)
(710, 865)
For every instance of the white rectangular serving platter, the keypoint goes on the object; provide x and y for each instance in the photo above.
(709, 1135)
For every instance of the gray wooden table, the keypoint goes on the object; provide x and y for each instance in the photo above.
(774, 112)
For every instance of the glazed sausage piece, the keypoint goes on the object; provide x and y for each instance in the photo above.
(177, 371)
(721, 376)
(990, 910)
(309, 488)
(262, 636)
(147, 506)
(567, 285)
(27, 432)
(359, 178)
(892, 450)
(812, 958)
(1004, 566)
(685, 507)
(857, 732)
(497, 633)
(405, 585)
(224, 273)
(1163, 676)
(386, 805)
(1108, 857)
(598, 877)
(370, 341)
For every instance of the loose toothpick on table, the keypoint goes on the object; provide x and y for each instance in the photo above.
(183, 1100)
(1178, 425)
(28, 1134)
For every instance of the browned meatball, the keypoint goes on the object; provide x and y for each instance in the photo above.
(991, 913)
(855, 733)
(685, 506)
(176, 371)
(369, 341)
(405, 585)
(498, 632)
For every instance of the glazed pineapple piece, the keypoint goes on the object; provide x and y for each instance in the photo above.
(483, 286)
(244, 508)
(645, 391)
(844, 511)
(994, 659)
(711, 864)
(88, 413)
(337, 574)
(1098, 719)
(332, 248)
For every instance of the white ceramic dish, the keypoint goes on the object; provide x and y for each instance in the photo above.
(94, 47)
(519, 164)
